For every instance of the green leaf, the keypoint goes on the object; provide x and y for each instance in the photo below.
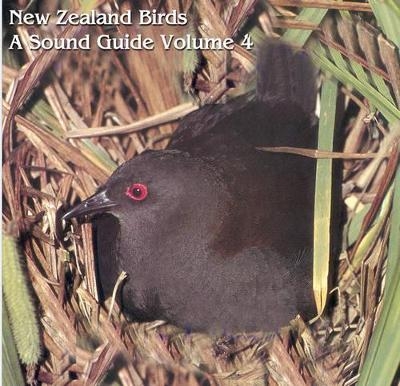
(336, 67)
(20, 306)
(374, 230)
(393, 268)
(11, 374)
(299, 37)
(383, 357)
(387, 14)
(354, 226)
(98, 156)
(323, 194)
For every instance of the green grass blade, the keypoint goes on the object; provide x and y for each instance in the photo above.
(353, 228)
(11, 374)
(360, 72)
(382, 87)
(299, 37)
(323, 194)
(389, 110)
(41, 112)
(99, 156)
(374, 230)
(383, 357)
(19, 303)
(387, 14)
(393, 268)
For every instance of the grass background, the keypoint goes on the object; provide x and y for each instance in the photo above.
(70, 117)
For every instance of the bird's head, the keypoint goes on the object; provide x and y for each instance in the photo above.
(158, 187)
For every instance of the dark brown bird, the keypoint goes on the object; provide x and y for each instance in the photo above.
(214, 234)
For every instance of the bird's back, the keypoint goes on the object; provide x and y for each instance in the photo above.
(273, 191)
(280, 112)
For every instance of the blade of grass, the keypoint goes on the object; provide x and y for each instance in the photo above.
(19, 303)
(62, 147)
(346, 30)
(348, 5)
(367, 40)
(12, 374)
(28, 79)
(154, 120)
(387, 14)
(393, 269)
(355, 225)
(300, 37)
(383, 357)
(323, 194)
(390, 111)
(373, 231)
(41, 109)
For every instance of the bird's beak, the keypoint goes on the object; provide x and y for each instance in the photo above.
(98, 203)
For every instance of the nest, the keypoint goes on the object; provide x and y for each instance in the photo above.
(92, 110)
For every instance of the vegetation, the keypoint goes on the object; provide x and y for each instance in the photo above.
(72, 116)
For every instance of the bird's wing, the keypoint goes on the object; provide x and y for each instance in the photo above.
(279, 112)
(206, 119)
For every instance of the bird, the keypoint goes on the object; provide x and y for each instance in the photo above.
(215, 234)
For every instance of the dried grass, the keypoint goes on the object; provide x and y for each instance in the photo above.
(45, 170)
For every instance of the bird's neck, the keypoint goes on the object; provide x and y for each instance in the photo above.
(182, 234)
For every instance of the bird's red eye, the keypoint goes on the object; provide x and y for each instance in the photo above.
(137, 192)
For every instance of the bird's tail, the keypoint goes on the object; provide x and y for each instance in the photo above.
(286, 74)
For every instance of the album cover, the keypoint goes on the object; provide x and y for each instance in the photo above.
(200, 192)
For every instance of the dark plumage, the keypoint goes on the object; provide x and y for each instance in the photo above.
(223, 239)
